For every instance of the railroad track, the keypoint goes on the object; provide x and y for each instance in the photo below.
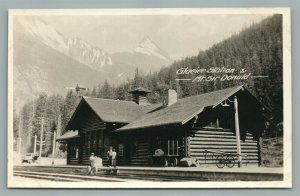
(64, 177)
(43, 176)
(80, 175)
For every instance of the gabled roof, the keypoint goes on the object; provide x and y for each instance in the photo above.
(118, 111)
(182, 111)
(136, 116)
(68, 135)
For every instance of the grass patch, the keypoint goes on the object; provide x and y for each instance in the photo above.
(271, 152)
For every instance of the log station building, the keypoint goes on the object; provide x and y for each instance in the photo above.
(173, 129)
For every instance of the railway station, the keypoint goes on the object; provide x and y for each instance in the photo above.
(204, 128)
(207, 137)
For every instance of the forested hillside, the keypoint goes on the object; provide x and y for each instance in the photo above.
(257, 48)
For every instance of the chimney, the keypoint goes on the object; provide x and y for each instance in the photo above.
(139, 95)
(169, 97)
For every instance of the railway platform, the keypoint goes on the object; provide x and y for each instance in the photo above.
(249, 173)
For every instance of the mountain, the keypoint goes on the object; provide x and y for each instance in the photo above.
(87, 54)
(42, 63)
(76, 48)
(148, 47)
(42, 31)
(46, 61)
(147, 56)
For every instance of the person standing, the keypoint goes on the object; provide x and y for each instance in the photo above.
(114, 158)
(109, 154)
(91, 167)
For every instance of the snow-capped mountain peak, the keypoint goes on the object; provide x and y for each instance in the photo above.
(45, 32)
(75, 48)
(148, 47)
(84, 52)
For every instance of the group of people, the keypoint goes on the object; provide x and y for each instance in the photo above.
(96, 162)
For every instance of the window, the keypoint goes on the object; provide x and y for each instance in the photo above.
(88, 143)
(135, 146)
(158, 142)
(94, 141)
(121, 149)
(100, 139)
(215, 123)
(173, 147)
(100, 144)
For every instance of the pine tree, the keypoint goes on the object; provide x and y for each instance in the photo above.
(68, 107)
(107, 91)
(137, 81)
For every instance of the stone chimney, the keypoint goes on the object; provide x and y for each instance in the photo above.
(139, 95)
(169, 97)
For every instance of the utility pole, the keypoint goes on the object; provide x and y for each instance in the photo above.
(53, 147)
(19, 145)
(54, 142)
(58, 132)
(237, 131)
(20, 131)
(41, 138)
(34, 147)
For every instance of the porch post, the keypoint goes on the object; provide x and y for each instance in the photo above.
(237, 131)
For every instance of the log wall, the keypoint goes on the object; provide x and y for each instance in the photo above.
(140, 152)
(92, 138)
(223, 140)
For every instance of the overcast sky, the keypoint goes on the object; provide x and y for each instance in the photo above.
(178, 35)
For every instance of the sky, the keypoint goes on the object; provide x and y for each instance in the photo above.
(178, 35)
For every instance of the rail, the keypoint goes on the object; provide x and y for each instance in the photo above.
(64, 176)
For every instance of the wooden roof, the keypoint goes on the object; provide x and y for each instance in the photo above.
(68, 135)
(109, 110)
(140, 90)
(118, 111)
(182, 111)
(136, 116)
